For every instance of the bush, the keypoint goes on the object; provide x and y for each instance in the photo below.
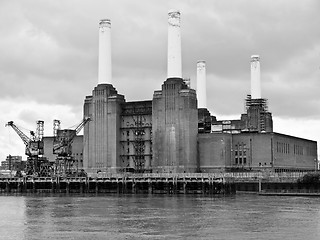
(310, 179)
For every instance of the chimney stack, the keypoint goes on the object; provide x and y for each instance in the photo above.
(105, 73)
(201, 84)
(255, 77)
(174, 45)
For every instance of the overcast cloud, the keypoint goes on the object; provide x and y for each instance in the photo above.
(49, 57)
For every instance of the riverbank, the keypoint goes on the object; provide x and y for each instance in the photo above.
(119, 184)
(178, 183)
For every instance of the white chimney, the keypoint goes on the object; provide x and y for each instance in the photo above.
(174, 45)
(201, 84)
(255, 77)
(105, 73)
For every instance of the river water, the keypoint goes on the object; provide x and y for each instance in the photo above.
(158, 217)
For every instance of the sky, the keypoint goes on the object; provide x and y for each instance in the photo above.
(49, 58)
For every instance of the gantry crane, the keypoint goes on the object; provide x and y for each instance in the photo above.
(66, 164)
(36, 163)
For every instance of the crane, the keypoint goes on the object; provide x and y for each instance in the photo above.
(62, 146)
(36, 163)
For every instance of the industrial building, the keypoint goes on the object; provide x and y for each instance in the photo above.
(77, 149)
(14, 163)
(174, 132)
(254, 151)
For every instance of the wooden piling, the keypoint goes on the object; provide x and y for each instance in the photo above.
(97, 187)
(7, 186)
(81, 186)
(33, 186)
(68, 186)
(150, 189)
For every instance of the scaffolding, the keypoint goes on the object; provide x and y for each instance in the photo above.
(261, 103)
(257, 110)
(139, 143)
(137, 131)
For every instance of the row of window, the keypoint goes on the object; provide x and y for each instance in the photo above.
(241, 160)
(311, 151)
(298, 150)
(283, 147)
(241, 146)
(137, 132)
(143, 124)
(240, 152)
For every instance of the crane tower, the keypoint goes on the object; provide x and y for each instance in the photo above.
(65, 164)
(36, 163)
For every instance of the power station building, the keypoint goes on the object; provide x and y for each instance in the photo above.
(174, 132)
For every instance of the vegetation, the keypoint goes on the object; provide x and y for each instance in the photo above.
(310, 179)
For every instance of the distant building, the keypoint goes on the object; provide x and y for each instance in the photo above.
(14, 163)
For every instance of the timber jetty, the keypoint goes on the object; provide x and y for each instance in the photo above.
(173, 183)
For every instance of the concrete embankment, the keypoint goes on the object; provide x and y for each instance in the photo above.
(182, 183)
(120, 183)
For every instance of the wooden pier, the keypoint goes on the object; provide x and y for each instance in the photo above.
(119, 183)
(165, 183)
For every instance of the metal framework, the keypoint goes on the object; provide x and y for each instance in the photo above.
(66, 164)
(137, 112)
(56, 127)
(139, 143)
(262, 103)
(256, 110)
(40, 130)
(36, 163)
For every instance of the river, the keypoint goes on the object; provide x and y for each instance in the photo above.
(243, 216)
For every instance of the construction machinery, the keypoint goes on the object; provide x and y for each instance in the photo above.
(36, 164)
(66, 164)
